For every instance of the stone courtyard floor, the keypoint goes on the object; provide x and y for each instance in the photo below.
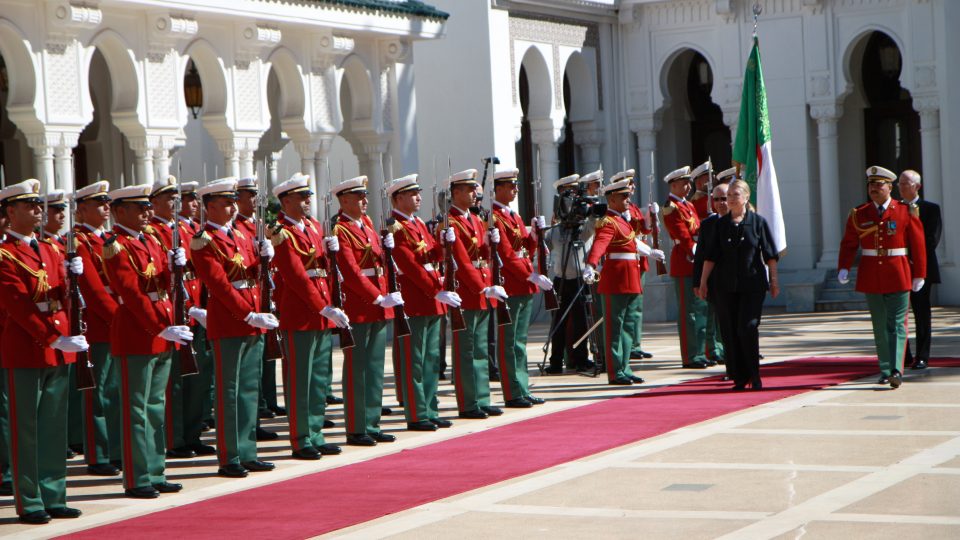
(854, 460)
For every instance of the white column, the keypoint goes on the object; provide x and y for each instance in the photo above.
(307, 151)
(827, 117)
(589, 141)
(63, 164)
(930, 143)
(231, 159)
(161, 159)
(43, 165)
(272, 170)
(546, 142)
(143, 164)
(370, 156)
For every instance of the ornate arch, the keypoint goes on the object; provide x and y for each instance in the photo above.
(667, 62)
(539, 82)
(22, 76)
(583, 98)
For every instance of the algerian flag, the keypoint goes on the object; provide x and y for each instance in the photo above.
(753, 150)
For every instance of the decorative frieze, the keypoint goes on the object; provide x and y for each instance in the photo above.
(74, 16)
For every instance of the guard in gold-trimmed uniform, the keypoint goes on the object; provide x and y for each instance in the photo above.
(893, 262)
(37, 351)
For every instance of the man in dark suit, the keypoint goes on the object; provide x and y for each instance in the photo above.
(929, 213)
(707, 232)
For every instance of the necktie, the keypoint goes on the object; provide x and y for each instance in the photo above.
(35, 245)
(880, 212)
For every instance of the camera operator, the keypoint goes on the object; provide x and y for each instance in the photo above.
(576, 210)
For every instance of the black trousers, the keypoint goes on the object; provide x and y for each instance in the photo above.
(739, 317)
(923, 324)
(574, 325)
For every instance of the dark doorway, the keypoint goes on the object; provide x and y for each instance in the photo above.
(525, 151)
(568, 147)
(709, 136)
(891, 126)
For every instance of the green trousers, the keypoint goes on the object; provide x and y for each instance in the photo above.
(143, 385)
(237, 362)
(691, 322)
(512, 348)
(888, 314)
(74, 412)
(363, 378)
(395, 357)
(195, 390)
(418, 358)
(101, 410)
(471, 378)
(713, 344)
(618, 337)
(635, 323)
(306, 375)
(38, 436)
(4, 430)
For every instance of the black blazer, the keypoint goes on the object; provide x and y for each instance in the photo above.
(707, 232)
(739, 252)
(932, 230)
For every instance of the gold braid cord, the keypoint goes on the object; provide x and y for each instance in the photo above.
(43, 283)
(862, 231)
(357, 243)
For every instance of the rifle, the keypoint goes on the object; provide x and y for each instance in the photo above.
(188, 362)
(271, 349)
(336, 293)
(550, 301)
(710, 186)
(401, 325)
(450, 267)
(496, 264)
(654, 217)
(483, 185)
(84, 367)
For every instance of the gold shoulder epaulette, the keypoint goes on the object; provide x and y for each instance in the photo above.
(111, 248)
(150, 230)
(5, 253)
(914, 210)
(395, 227)
(669, 209)
(279, 235)
(200, 241)
(602, 222)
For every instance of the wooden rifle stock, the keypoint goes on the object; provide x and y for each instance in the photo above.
(272, 350)
(550, 301)
(336, 298)
(401, 326)
(188, 362)
(85, 378)
(503, 311)
(450, 280)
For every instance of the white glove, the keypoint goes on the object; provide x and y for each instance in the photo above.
(657, 254)
(917, 284)
(843, 276)
(642, 248)
(451, 299)
(70, 344)
(336, 315)
(332, 243)
(538, 222)
(449, 236)
(266, 249)
(694, 250)
(388, 241)
(654, 208)
(74, 266)
(494, 235)
(200, 315)
(177, 257)
(264, 321)
(541, 281)
(393, 299)
(589, 275)
(496, 292)
(177, 334)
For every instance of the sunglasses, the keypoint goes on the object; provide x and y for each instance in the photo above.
(720, 198)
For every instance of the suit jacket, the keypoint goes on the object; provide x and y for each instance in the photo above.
(898, 229)
(932, 230)
(137, 268)
(360, 251)
(26, 278)
(708, 231)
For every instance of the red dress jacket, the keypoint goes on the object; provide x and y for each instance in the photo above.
(683, 225)
(700, 202)
(883, 273)
(618, 276)
(360, 253)
(162, 231)
(228, 265)
(417, 255)
(100, 301)
(640, 227)
(516, 249)
(137, 269)
(470, 251)
(304, 295)
(26, 279)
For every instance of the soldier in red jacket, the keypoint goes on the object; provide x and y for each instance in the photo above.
(471, 252)
(701, 180)
(516, 250)
(101, 404)
(683, 225)
(142, 335)
(619, 280)
(892, 263)
(185, 395)
(37, 351)
(306, 316)
(416, 255)
(228, 262)
(367, 303)
(639, 221)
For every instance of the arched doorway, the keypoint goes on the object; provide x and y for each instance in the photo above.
(16, 159)
(693, 128)
(535, 96)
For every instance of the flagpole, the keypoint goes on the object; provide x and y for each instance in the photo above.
(757, 10)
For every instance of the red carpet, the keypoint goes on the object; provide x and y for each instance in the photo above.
(330, 500)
